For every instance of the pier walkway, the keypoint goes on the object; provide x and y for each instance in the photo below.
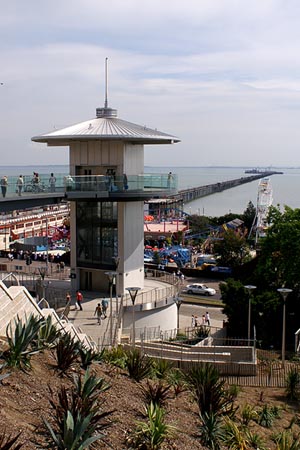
(188, 195)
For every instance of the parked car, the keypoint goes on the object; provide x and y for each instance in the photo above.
(198, 288)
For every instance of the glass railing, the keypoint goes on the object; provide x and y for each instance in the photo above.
(27, 185)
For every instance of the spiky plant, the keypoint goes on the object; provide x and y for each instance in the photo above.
(20, 339)
(150, 435)
(292, 384)
(211, 431)
(139, 366)
(176, 379)
(161, 368)
(209, 391)
(233, 437)
(266, 416)
(77, 433)
(47, 334)
(248, 413)
(89, 356)
(115, 356)
(255, 440)
(155, 393)
(286, 441)
(66, 352)
(9, 442)
(83, 401)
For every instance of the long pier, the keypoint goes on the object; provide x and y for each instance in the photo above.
(188, 195)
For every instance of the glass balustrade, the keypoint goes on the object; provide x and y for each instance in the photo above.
(62, 183)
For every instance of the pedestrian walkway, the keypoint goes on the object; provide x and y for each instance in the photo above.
(86, 320)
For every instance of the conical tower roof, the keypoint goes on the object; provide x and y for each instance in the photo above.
(106, 126)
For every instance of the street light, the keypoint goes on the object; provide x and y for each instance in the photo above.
(249, 288)
(284, 292)
(133, 293)
(111, 278)
(178, 301)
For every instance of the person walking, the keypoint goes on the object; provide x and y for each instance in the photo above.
(68, 298)
(79, 300)
(98, 312)
(4, 184)
(104, 304)
(207, 318)
(52, 181)
(20, 184)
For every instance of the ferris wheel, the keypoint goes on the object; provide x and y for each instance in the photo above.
(264, 201)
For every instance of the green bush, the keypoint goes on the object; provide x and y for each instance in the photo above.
(292, 384)
(211, 431)
(161, 368)
(88, 356)
(115, 356)
(138, 365)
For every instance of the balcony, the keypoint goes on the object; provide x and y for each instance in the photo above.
(118, 188)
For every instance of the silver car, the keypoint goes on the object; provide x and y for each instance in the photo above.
(198, 288)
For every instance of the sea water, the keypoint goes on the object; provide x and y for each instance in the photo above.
(286, 187)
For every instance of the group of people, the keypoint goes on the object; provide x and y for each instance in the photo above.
(101, 308)
(35, 183)
(205, 320)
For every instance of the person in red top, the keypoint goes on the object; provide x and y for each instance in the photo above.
(79, 299)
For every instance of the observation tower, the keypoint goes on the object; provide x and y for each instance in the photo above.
(107, 188)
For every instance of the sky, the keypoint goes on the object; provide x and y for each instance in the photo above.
(221, 75)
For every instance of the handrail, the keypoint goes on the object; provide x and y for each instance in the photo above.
(44, 301)
(13, 276)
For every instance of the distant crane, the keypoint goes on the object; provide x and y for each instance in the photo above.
(264, 201)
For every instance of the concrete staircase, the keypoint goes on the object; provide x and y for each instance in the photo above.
(17, 303)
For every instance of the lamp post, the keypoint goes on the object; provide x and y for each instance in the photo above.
(133, 293)
(249, 288)
(111, 277)
(284, 292)
(178, 301)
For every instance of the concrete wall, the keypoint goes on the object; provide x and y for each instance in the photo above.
(164, 317)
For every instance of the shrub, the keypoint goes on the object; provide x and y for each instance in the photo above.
(233, 437)
(138, 365)
(286, 441)
(176, 379)
(47, 334)
(208, 390)
(151, 435)
(161, 368)
(88, 356)
(255, 440)
(248, 413)
(155, 393)
(66, 352)
(211, 431)
(266, 416)
(292, 384)
(115, 356)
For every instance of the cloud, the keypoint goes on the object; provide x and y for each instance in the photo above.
(223, 75)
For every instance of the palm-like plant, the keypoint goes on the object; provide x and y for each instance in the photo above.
(115, 356)
(151, 435)
(20, 339)
(138, 365)
(88, 356)
(211, 431)
(66, 352)
(292, 383)
(161, 368)
(155, 393)
(78, 409)
(209, 391)
(176, 379)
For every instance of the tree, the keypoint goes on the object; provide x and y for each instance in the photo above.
(249, 215)
(231, 248)
(279, 260)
